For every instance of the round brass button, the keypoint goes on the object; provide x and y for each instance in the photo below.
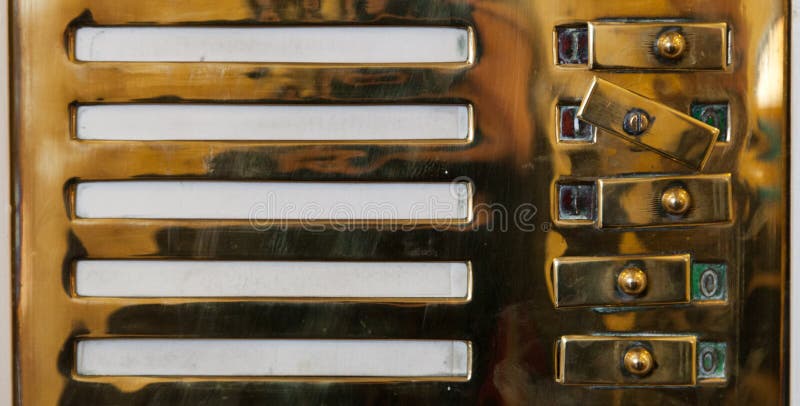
(638, 361)
(671, 44)
(632, 281)
(676, 200)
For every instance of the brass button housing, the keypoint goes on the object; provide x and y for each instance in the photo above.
(638, 361)
(632, 281)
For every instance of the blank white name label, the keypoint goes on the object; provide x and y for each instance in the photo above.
(272, 279)
(350, 44)
(146, 122)
(255, 201)
(278, 358)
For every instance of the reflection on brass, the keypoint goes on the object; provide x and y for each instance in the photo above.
(676, 200)
(657, 201)
(671, 44)
(648, 123)
(626, 361)
(638, 361)
(658, 45)
(631, 280)
(513, 162)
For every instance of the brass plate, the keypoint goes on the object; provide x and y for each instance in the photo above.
(632, 45)
(636, 202)
(592, 281)
(513, 162)
(671, 133)
(598, 360)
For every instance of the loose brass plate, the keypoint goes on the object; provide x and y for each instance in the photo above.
(671, 133)
(512, 160)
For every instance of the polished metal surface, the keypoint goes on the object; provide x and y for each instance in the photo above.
(524, 350)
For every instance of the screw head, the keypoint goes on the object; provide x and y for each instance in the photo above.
(671, 45)
(632, 281)
(636, 122)
(638, 361)
(676, 200)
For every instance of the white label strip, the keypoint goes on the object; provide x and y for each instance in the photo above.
(277, 358)
(301, 201)
(288, 279)
(274, 44)
(146, 122)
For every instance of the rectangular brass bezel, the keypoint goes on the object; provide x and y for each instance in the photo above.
(597, 360)
(592, 281)
(631, 45)
(636, 202)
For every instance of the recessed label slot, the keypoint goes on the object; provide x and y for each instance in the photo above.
(344, 45)
(443, 359)
(151, 122)
(256, 201)
(273, 279)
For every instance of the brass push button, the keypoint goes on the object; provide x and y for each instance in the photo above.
(621, 281)
(676, 200)
(626, 360)
(671, 44)
(632, 281)
(658, 46)
(648, 124)
(638, 361)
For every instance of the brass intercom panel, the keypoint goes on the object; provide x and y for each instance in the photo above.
(438, 202)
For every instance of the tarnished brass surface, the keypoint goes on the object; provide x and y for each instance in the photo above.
(513, 162)
(596, 281)
(631, 45)
(648, 123)
(633, 361)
